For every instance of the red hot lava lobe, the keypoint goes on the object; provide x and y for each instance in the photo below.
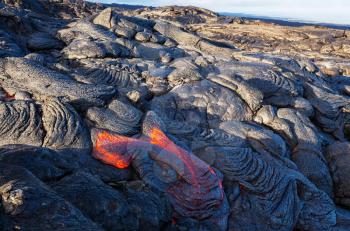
(195, 166)
(101, 151)
(158, 138)
(198, 192)
(7, 96)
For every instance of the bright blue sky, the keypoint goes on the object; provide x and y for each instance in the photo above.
(330, 11)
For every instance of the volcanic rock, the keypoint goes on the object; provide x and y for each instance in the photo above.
(30, 76)
(338, 157)
(42, 41)
(151, 209)
(20, 123)
(27, 202)
(202, 103)
(64, 128)
(45, 164)
(100, 202)
(117, 117)
(8, 47)
(248, 165)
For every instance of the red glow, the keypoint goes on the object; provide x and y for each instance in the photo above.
(242, 187)
(160, 139)
(211, 170)
(199, 180)
(8, 96)
(114, 158)
(109, 149)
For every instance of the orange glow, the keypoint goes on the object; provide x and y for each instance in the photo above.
(8, 96)
(198, 186)
(114, 158)
(160, 139)
(112, 150)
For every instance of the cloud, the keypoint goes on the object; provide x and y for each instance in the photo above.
(335, 11)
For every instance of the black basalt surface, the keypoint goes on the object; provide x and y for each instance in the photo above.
(128, 119)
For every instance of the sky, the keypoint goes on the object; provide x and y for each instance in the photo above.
(326, 11)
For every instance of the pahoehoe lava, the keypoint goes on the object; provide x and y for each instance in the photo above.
(170, 118)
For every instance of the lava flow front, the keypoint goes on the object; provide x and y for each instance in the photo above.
(118, 160)
(197, 192)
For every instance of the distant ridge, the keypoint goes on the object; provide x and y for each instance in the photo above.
(276, 20)
(125, 6)
(285, 21)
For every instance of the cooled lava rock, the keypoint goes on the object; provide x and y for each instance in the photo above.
(170, 118)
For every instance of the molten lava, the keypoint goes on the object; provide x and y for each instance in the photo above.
(198, 191)
(8, 96)
(111, 149)
(160, 139)
(112, 157)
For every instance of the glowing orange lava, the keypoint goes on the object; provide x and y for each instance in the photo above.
(191, 196)
(118, 160)
(160, 139)
(112, 150)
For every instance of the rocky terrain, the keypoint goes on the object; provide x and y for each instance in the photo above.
(170, 118)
